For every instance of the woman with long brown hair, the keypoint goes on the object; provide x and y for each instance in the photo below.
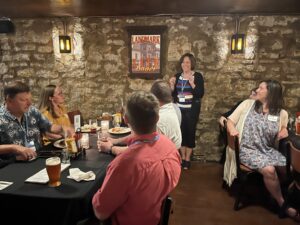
(260, 124)
(51, 105)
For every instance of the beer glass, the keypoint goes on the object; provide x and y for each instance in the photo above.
(53, 170)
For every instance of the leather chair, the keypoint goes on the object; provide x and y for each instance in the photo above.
(244, 173)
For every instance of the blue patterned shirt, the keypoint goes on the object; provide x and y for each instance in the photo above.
(32, 125)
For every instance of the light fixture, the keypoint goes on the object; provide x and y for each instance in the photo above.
(237, 40)
(65, 41)
(6, 26)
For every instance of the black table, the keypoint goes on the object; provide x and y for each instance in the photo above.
(28, 203)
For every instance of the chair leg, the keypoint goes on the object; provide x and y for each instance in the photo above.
(238, 197)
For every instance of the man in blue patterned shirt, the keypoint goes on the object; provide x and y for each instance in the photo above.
(21, 125)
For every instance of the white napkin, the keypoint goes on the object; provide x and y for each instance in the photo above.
(4, 184)
(78, 175)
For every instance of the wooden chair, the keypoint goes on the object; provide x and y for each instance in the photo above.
(74, 113)
(292, 198)
(223, 134)
(295, 161)
(244, 173)
(166, 210)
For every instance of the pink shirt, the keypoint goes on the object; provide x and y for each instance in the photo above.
(138, 180)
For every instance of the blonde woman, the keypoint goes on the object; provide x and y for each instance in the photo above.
(52, 107)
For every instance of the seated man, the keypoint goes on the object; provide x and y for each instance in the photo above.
(168, 123)
(21, 125)
(140, 178)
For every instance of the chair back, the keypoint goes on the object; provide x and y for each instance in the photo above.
(295, 157)
(74, 113)
(166, 210)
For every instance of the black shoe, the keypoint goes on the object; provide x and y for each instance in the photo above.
(183, 163)
(187, 165)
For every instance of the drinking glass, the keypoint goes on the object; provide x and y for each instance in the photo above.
(65, 156)
(85, 141)
(53, 166)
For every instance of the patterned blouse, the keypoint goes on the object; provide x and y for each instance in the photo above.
(32, 125)
(257, 148)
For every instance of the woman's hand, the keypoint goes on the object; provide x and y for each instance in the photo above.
(233, 132)
(192, 81)
(231, 128)
(172, 82)
(221, 121)
(283, 133)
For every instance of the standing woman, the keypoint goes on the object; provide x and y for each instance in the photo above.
(52, 107)
(187, 90)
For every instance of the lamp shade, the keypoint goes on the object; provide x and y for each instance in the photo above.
(65, 44)
(237, 43)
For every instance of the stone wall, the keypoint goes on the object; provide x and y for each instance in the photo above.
(95, 76)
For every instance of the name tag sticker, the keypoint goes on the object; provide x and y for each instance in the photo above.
(181, 99)
(31, 145)
(272, 118)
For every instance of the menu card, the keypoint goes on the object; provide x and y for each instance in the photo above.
(41, 177)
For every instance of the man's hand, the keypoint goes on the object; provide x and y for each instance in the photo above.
(24, 153)
(104, 146)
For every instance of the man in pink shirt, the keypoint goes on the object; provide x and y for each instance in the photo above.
(138, 180)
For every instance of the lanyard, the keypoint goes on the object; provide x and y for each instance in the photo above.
(142, 141)
(183, 86)
(25, 130)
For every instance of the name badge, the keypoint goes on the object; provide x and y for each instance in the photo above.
(272, 118)
(181, 98)
(31, 145)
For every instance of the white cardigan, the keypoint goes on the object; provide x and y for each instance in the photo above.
(238, 117)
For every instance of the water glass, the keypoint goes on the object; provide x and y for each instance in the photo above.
(65, 156)
(85, 141)
(104, 125)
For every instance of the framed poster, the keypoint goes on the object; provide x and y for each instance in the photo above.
(145, 51)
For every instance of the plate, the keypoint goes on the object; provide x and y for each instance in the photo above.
(59, 143)
(119, 130)
(88, 130)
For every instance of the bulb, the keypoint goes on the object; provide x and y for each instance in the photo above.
(62, 45)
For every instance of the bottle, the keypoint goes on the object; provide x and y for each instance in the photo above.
(77, 137)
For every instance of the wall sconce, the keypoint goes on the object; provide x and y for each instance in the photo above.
(65, 44)
(237, 40)
(65, 41)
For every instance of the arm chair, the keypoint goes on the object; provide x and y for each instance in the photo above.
(244, 173)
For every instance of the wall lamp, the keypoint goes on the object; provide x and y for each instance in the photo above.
(65, 41)
(237, 40)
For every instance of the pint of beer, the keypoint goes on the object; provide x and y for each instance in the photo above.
(53, 171)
